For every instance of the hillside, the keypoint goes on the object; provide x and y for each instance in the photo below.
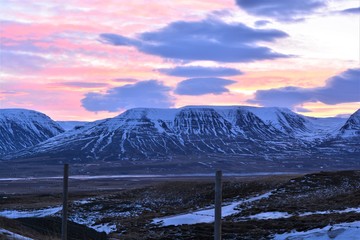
(21, 128)
(201, 139)
(352, 125)
(150, 133)
(306, 206)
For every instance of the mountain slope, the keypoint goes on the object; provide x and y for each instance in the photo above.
(202, 131)
(21, 128)
(194, 130)
(352, 125)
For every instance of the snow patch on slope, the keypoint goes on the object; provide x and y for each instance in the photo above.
(13, 214)
(21, 128)
(342, 231)
(10, 235)
(207, 215)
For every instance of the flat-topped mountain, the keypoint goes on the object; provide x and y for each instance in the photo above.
(148, 133)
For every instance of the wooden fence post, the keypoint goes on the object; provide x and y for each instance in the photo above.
(65, 203)
(218, 200)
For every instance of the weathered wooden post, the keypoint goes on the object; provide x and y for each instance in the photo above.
(65, 203)
(218, 200)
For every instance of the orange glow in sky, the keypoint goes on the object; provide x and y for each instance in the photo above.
(88, 60)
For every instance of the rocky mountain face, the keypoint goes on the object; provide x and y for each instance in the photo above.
(347, 139)
(147, 133)
(352, 125)
(20, 128)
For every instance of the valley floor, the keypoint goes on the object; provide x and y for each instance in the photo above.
(324, 205)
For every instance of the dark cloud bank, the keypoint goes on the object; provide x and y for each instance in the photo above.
(261, 23)
(343, 88)
(199, 71)
(351, 11)
(208, 39)
(202, 86)
(149, 93)
(281, 10)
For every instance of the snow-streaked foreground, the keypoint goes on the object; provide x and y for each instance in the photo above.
(277, 215)
(342, 231)
(13, 214)
(205, 216)
(90, 220)
(11, 235)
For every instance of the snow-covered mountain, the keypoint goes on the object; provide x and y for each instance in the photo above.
(188, 131)
(21, 128)
(352, 125)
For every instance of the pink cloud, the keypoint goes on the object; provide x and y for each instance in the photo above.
(71, 61)
(59, 103)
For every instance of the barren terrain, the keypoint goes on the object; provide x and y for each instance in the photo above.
(126, 208)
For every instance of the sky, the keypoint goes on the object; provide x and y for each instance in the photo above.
(89, 60)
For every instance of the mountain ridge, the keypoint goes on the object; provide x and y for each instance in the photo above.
(143, 133)
(21, 128)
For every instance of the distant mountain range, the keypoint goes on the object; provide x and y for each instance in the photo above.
(149, 133)
(20, 128)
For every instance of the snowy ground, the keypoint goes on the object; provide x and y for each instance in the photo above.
(277, 215)
(321, 205)
(340, 231)
(343, 231)
(205, 216)
(13, 214)
(89, 222)
(11, 235)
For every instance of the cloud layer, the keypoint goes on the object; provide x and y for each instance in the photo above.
(149, 93)
(202, 86)
(292, 10)
(12, 61)
(343, 88)
(208, 39)
(84, 84)
(199, 71)
(261, 23)
(351, 11)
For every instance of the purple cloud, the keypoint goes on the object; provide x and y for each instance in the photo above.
(262, 23)
(343, 88)
(12, 61)
(118, 40)
(84, 84)
(281, 10)
(208, 39)
(202, 86)
(199, 71)
(149, 93)
(351, 11)
(129, 80)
